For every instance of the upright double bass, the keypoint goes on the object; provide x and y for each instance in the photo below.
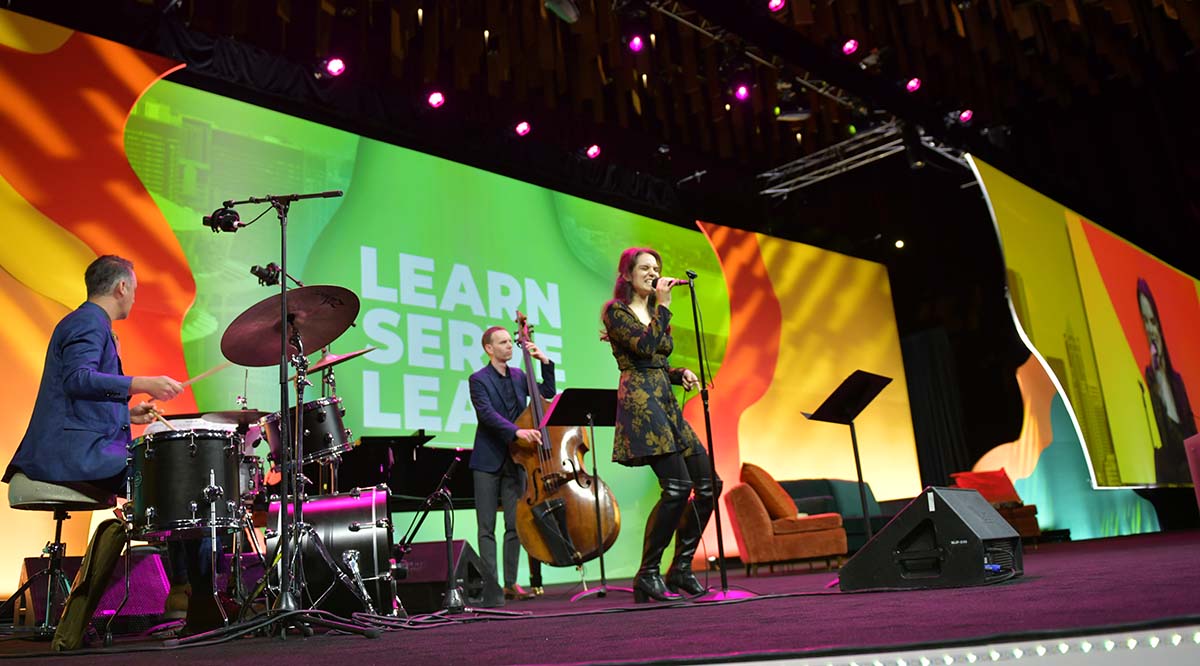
(556, 518)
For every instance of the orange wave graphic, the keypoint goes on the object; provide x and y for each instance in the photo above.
(63, 112)
(751, 353)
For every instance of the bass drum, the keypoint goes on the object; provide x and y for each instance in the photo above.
(353, 525)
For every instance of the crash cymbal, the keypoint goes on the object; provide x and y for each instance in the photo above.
(330, 360)
(320, 312)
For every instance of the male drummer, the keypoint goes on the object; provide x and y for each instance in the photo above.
(79, 432)
(499, 394)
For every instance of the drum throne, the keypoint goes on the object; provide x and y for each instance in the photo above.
(28, 495)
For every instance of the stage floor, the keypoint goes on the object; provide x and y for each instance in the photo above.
(1074, 597)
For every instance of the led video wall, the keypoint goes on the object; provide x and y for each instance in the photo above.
(99, 154)
(1111, 326)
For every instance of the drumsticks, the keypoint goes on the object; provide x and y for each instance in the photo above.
(208, 373)
(159, 417)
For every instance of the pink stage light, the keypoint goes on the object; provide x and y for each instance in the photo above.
(965, 116)
(436, 99)
(636, 43)
(335, 66)
(850, 47)
(776, 5)
(742, 92)
(913, 85)
(593, 151)
(523, 128)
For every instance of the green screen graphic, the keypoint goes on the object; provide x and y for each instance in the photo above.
(436, 251)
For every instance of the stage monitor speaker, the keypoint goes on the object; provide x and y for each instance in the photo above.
(148, 588)
(946, 537)
(423, 586)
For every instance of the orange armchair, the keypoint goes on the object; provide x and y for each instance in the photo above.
(769, 530)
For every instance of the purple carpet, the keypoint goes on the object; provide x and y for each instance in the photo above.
(1078, 587)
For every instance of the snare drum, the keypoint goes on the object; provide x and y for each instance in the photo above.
(346, 523)
(324, 436)
(184, 483)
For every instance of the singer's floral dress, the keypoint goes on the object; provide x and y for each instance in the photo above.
(649, 420)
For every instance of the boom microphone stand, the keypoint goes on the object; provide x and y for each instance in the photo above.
(725, 592)
(287, 603)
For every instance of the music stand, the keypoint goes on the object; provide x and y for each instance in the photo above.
(843, 406)
(591, 407)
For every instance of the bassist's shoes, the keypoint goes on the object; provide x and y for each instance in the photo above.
(516, 592)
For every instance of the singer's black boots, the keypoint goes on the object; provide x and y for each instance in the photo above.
(691, 527)
(661, 526)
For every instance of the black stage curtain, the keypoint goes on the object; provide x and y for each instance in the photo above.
(933, 394)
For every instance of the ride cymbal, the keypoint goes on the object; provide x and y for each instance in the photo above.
(320, 313)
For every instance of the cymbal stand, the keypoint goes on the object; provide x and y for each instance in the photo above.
(287, 604)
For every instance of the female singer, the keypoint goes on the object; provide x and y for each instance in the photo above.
(650, 427)
(1168, 397)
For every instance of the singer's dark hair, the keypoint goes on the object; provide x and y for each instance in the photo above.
(1143, 290)
(103, 274)
(623, 289)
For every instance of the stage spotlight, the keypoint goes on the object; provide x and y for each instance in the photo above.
(436, 99)
(563, 9)
(913, 85)
(790, 109)
(737, 74)
(776, 5)
(899, 243)
(592, 152)
(849, 46)
(792, 112)
(330, 68)
(523, 128)
(633, 17)
(965, 116)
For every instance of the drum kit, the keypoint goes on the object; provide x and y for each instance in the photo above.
(207, 482)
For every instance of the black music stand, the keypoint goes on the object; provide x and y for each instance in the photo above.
(843, 406)
(590, 407)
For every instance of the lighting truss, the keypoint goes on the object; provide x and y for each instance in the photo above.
(860, 150)
(691, 19)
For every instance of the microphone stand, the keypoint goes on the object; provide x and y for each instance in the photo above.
(287, 603)
(725, 592)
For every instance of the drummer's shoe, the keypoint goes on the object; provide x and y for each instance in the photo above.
(91, 581)
(537, 590)
(176, 605)
(517, 593)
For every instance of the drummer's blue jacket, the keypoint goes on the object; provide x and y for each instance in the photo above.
(79, 430)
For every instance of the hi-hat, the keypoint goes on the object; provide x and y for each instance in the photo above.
(320, 313)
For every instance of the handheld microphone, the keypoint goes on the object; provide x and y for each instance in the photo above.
(677, 283)
(224, 219)
(267, 275)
